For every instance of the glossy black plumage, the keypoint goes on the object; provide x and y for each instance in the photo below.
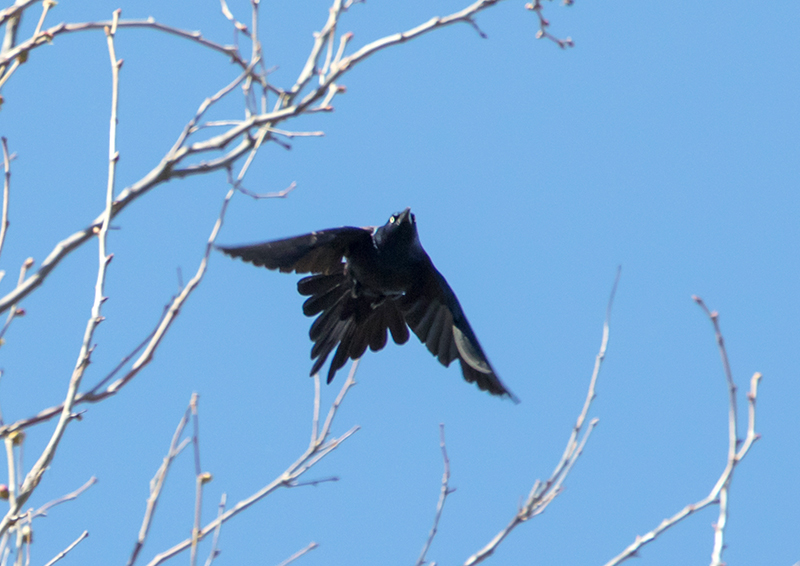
(367, 281)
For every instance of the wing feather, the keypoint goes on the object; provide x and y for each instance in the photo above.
(433, 312)
(317, 252)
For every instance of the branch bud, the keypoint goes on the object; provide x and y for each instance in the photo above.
(27, 534)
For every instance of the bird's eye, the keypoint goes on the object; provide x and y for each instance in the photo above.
(392, 219)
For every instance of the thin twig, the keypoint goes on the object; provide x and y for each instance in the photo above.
(278, 194)
(64, 552)
(12, 469)
(719, 493)
(156, 485)
(311, 546)
(214, 552)
(47, 36)
(536, 6)
(229, 16)
(15, 10)
(6, 191)
(42, 511)
(35, 474)
(543, 493)
(46, 5)
(200, 478)
(313, 454)
(14, 311)
(443, 493)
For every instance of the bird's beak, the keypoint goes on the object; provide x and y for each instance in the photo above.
(404, 216)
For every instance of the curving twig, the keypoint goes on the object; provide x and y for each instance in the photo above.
(303, 551)
(157, 484)
(42, 511)
(6, 190)
(319, 447)
(34, 476)
(543, 493)
(64, 552)
(214, 552)
(443, 493)
(719, 493)
(15, 10)
(47, 36)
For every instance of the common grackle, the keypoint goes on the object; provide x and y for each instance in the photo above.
(368, 280)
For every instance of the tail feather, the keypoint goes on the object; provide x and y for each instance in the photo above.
(324, 301)
(346, 321)
(343, 351)
(316, 284)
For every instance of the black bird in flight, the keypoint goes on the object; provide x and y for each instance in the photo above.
(368, 280)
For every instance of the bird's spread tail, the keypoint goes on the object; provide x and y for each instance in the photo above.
(347, 320)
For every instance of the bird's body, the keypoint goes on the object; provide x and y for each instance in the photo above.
(369, 280)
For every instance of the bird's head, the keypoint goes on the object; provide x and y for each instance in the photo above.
(400, 232)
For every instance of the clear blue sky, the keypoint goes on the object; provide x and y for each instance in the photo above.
(665, 141)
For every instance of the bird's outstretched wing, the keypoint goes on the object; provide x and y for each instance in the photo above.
(433, 312)
(317, 252)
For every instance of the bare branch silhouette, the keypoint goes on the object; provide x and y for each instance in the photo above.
(543, 493)
(719, 493)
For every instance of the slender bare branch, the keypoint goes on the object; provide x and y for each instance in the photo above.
(46, 5)
(543, 493)
(313, 454)
(157, 484)
(14, 311)
(443, 493)
(48, 35)
(42, 511)
(15, 10)
(544, 24)
(6, 192)
(719, 493)
(303, 551)
(35, 474)
(64, 552)
(10, 442)
(214, 552)
(200, 478)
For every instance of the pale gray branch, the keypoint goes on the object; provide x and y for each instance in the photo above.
(64, 552)
(543, 493)
(719, 493)
(316, 450)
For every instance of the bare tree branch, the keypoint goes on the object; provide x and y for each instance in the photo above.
(157, 484)
(543, 493)
(443, 493)
(64, 552)
(311, 546)
(42, 511)
(6, 191)
(719, 493)
(285, 109)
(317, 449)
(14, 311)
(214, 552)
(35, 474)
(15, 10)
